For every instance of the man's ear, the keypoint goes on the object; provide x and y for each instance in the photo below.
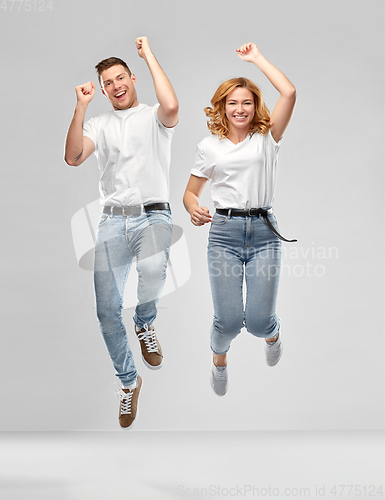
(103, 92)
(133, 78)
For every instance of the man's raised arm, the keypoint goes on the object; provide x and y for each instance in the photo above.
(169, 106)
(78, 148)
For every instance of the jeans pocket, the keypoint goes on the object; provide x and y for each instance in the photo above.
(103, 219)
(219, 220)
(273, 221)
(161, 215)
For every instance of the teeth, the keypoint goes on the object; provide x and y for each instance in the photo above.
(120, 93)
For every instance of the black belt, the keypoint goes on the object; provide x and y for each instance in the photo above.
(253, 212)
(135, 209)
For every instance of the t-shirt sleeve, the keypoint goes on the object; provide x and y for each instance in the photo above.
(272, 145)
(155, 108)
(201, 166)
(90, 130)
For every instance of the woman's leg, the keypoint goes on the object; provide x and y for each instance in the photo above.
(262, 269)
(226, 280)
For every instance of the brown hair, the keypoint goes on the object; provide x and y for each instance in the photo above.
(218, 123)
(108, 63)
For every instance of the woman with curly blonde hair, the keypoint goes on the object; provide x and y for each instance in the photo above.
(240, 160)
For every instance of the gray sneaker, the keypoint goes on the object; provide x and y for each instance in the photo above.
(273, 351)
(219, 379)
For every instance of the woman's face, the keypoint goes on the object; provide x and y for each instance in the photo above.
(240, 108)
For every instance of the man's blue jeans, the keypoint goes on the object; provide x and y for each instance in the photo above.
(243, 248)
(119, 239)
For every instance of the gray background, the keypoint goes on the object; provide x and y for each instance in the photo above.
(55, 371)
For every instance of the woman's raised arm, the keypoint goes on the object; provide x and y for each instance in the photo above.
(282, 113)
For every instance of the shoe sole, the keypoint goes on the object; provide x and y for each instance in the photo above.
(151, 367)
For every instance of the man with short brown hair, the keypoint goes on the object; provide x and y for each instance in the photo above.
(132, 144)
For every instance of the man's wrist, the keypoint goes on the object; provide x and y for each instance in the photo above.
(149, 58)
(81, 106)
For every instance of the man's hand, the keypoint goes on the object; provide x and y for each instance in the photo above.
(85, 93)
(143, 46)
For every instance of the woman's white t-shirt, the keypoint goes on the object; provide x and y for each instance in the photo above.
(133, 150)
(242, 175)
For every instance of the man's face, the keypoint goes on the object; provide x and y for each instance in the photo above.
(119, 87)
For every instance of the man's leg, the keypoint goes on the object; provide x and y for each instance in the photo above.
(112, 265)
(151, 246)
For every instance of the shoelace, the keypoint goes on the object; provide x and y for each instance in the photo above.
(149, 339)
(125, 401)
(220, 374)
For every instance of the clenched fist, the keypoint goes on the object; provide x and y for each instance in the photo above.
(143, 46)
(85, 92)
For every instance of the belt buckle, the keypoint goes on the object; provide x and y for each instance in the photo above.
(251, 213)
(124, 211)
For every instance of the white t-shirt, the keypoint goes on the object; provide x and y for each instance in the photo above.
(133, 149)
(242, 175)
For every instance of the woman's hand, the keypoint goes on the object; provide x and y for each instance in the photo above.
(200, 216)
(248, 52)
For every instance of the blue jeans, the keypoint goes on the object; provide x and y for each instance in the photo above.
(118, 240)
(243, 248)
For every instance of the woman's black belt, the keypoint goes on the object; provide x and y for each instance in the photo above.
(253, 212)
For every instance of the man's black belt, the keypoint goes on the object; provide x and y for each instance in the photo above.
(135, 209)
(253, 212)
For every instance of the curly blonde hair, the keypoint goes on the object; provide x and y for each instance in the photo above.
(218, 123)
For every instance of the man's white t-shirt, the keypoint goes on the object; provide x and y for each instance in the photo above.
(133, 150)
(242, 175)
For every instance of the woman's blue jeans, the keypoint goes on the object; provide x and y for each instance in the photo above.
(119, 239)
(243, 248)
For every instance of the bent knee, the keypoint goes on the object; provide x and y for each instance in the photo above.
(263, 327)
(229, 328)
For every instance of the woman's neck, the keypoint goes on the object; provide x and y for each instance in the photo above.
(237, 136)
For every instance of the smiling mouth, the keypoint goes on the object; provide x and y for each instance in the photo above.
(120, 94)
(240, 118)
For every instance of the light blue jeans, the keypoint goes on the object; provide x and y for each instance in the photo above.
(243, 248)
(118, 240)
